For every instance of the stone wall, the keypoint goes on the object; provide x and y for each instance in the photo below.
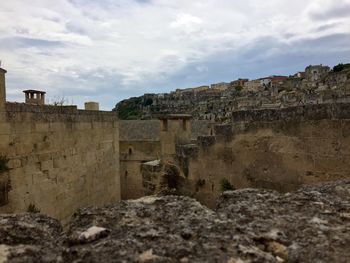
(60, 158)
(139, 143)
(143, 141)
(276, 149)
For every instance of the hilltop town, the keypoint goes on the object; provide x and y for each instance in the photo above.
(317, 84)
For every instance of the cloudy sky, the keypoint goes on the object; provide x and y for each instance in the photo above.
(108, 50)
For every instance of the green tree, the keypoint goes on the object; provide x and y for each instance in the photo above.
(341, 67)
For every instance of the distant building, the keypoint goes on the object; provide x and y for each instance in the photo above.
(252, 85)
(220, 86)
(299, 74)
(265, 82)
(316, 73)
(277, 80)
(238, 83)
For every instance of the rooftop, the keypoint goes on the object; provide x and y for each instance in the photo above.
(34, 91)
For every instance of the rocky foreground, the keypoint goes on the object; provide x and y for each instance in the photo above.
(249, 225)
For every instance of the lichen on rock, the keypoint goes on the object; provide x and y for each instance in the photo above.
(248, 225)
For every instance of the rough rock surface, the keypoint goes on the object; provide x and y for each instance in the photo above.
(249, 225)
(29, 238)
(313, 223)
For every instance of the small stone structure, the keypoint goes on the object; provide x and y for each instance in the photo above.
(34, 97)
(92, 106)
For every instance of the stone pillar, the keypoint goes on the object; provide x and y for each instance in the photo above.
(2, 93)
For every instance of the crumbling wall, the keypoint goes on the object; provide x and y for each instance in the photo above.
(60, 158)
(139, 143)
(276, 149)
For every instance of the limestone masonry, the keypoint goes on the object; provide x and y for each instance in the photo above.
(57, 159)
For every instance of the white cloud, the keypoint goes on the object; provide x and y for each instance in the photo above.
(72, 45)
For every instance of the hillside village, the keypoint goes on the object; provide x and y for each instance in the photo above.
(317, 84)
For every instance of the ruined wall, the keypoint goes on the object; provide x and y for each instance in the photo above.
(60, 158)
(139, 143)
(174, 131)
(201, 128)
(278, 149)
(146, 141)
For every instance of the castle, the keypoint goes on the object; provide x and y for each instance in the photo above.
(59, 158)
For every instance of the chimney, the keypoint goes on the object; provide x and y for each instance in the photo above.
(34, 97)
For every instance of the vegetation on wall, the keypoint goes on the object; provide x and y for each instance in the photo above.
(226, 185)
(33, 209)
(4, 164)
(238, 88)
(5, 185)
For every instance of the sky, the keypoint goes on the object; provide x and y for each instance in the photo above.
(109, 50)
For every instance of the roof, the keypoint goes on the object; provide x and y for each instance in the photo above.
(34, 91)
(2, 70)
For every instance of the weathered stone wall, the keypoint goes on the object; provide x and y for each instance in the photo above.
(60, 158)
(139, 130)
(145, 141)
(139, 143)
(278, 149)
(201, 128)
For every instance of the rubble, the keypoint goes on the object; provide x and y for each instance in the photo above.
(248, 225)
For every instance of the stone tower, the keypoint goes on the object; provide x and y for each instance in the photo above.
(175, 130)
(2, 92)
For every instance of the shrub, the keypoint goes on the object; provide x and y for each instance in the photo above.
(3, 164)
(238, 88)
(226, 185)
(33, 209)
(341, 67)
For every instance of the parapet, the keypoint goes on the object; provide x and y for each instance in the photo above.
(23, 111)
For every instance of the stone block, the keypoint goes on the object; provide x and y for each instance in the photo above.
(42, 127)
(46, 165)
(15, 163)
(5, 128)
(57, 126)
